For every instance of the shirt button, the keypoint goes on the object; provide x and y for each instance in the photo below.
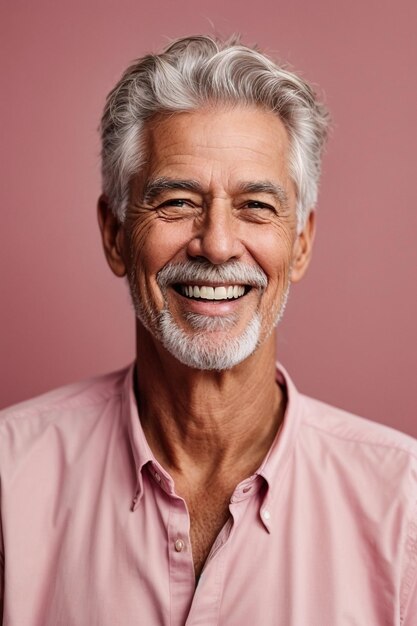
(157, 477)
(179, 545)
(266, 514)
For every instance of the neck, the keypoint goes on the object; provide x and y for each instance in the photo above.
(197, 421)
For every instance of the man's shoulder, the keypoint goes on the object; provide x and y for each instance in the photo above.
(68, 399)
(60, 428)
(337, 424)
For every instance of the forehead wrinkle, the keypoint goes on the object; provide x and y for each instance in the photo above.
(233, 148)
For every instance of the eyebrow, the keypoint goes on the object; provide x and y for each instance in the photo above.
(156, 186)
(268, 187)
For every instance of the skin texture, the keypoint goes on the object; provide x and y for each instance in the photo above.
(210, 429)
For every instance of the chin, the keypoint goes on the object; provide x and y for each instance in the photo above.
(206, 349)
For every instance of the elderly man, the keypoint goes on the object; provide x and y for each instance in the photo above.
(198, 486)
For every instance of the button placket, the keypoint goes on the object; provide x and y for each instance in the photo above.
(179, 545)
(265, 513)
(208, 594)
(181, 568)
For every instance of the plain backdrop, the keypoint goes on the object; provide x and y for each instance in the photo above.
(349, 336)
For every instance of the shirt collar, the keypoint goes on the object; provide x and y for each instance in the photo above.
(273, 466)
(142, 453)
(282, 446)
(276, 461)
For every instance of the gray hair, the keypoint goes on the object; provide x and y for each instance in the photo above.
(197, 71)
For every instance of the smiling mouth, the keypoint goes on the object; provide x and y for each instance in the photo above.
(203, 292)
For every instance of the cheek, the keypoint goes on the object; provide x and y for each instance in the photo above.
(274, 256)
(153, 244)
(161, 243)
(138, 225)
(273, 250)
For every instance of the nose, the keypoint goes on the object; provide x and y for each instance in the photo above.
(217, 236)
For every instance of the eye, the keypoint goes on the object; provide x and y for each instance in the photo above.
(175, 202)
(176, 209)
(257, 204)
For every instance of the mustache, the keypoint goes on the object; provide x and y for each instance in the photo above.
(230, 272)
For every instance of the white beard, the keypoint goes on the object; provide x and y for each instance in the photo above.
(209, 344)
(203, 351)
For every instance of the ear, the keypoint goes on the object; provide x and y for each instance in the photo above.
(302, 249)
(112, 234)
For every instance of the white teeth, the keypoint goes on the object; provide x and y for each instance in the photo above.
(220, 293)
(213, 293)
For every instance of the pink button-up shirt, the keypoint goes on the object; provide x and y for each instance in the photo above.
(93, 533)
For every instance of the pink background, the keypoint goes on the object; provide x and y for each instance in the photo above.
(349, 336)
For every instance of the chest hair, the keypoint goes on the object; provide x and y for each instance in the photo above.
(208, 514)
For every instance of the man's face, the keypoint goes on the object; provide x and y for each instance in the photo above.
(212, 233)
